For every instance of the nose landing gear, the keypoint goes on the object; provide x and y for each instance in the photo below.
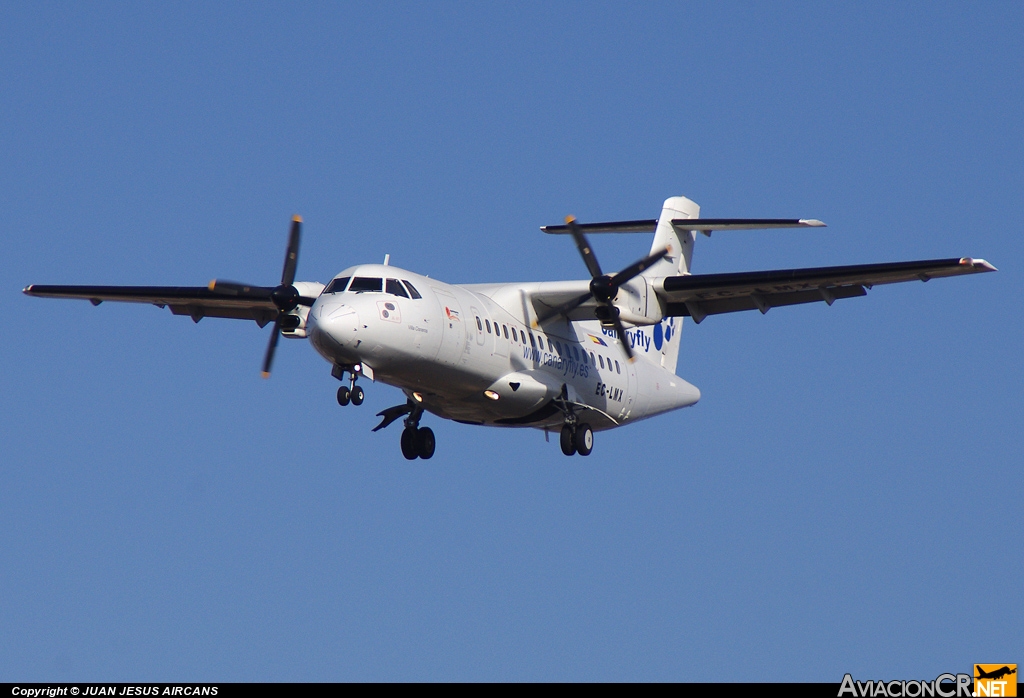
(352, 392)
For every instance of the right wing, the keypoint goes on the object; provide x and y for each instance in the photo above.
(243, 302)
(700, 295)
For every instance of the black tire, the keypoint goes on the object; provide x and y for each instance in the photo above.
(426, 443)
(357, 395)
(343, 395)
(584, 439)
(567, 440)
(410, 444)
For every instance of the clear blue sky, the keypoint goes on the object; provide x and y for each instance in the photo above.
(845, 497)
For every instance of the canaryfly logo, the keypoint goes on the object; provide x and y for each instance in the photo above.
(660, 335)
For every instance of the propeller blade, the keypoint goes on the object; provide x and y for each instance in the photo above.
(291, 259)
(622, 337)
(268, 359)
(638, 268)
(564, 308)
(584, 247)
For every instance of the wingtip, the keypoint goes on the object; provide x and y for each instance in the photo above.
(812, 223)
(265, 374)
(212, 285)
(570, 219)
(27, 289)
(296, 218)
(968, 262)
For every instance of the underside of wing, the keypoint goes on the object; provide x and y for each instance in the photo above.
(243, 303)
(700, 295)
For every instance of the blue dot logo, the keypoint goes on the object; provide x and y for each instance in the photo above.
(657, 336)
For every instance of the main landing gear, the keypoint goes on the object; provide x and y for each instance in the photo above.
(576, 438)
(352, 392)
(417, 441)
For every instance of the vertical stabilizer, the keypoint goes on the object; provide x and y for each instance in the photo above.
(664, 337)
(678, 260)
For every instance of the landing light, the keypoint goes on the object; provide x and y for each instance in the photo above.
(491, 394)
(417, 397)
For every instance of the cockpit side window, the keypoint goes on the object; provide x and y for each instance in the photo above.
(337, 285)
(395, 288)
(413, 293)
(361, 284)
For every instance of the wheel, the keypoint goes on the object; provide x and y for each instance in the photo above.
(410, 444)
(567, 441)
(357, 395)
(343, 395)
(425, 441)
(584, 439)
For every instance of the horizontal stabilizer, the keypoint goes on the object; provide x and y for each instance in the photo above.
(705, 225)
(644, 226)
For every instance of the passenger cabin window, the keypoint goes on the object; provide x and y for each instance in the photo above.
(575, 353)
(361, 284)
(617, 369)
(504, 328)
(601, 358)
(533, 342)
(487, 324)
(413, 293)
(479, 325)
(593, 361)
(395, 288)
(338, 285)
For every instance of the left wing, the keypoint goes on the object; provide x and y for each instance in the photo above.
(700, 295)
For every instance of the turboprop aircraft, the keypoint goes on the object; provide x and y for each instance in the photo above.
(568, 356)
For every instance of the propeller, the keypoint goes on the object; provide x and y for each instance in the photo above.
(284, 296)
(604, 288)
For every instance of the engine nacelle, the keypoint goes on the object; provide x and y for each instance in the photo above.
(293, 324)
(638, 304)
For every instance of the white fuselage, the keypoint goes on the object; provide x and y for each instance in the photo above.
(471, 359)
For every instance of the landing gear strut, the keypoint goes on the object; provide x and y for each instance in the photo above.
(352, 392)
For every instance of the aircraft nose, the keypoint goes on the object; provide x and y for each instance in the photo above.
(334, 327)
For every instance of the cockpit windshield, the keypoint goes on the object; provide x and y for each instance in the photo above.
(361, 284)
(337, 285)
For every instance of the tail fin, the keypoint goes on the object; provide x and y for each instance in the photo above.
(664, 337)
(681, 242)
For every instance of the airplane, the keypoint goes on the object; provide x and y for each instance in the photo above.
(573, 357)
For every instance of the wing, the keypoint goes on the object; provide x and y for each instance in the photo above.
(701, 295)
(241, 302)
